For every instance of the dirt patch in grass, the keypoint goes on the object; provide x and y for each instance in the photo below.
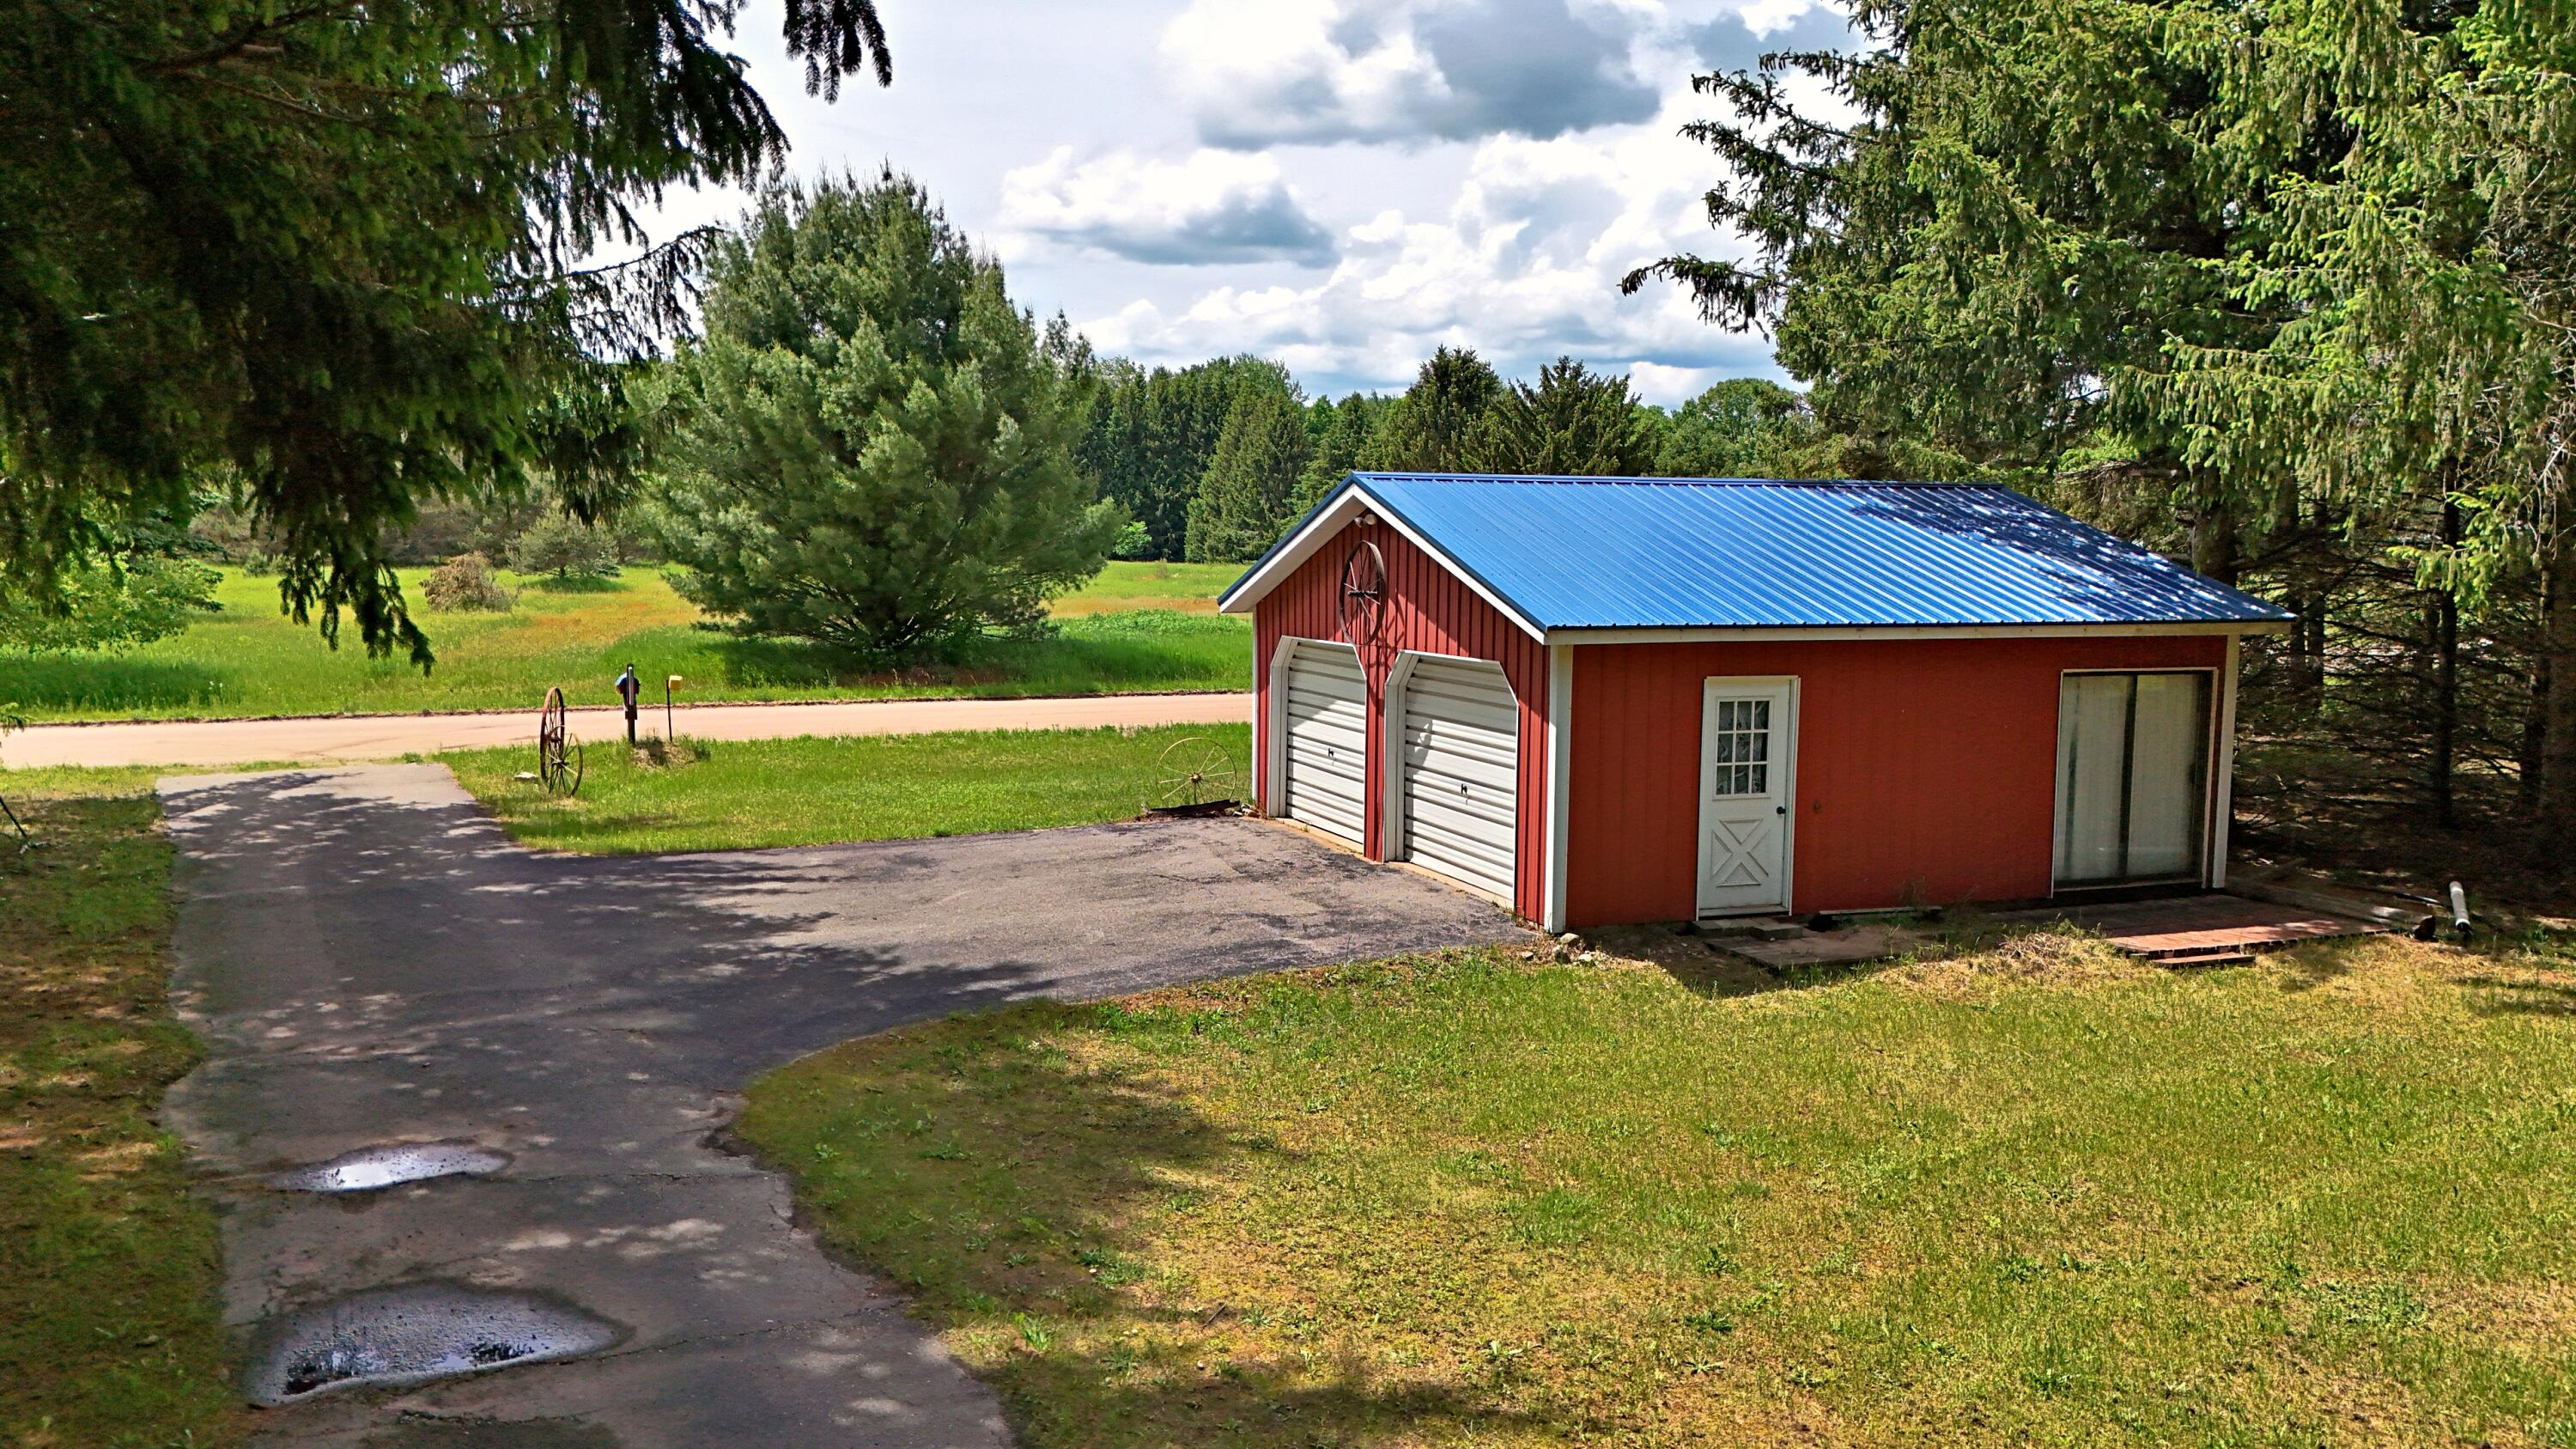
(1484, 1199)
(108, 1269)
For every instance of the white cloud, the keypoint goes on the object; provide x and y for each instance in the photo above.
(1261, 72)
(1522, 263)
(1212, 206)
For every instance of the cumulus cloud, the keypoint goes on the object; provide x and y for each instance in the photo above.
(1521, 264)
(1322, 71)
(1211, 207)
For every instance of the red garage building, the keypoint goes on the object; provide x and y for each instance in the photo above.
(1606, 700)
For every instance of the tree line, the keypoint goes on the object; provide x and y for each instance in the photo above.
(1216, 460)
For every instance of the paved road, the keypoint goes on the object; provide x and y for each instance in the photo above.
(370, 960)
(391, 736)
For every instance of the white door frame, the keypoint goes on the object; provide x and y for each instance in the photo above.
(1390, 754)
(1786, 762)
(2219, 763)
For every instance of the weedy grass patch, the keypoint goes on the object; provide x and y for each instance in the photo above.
(109, 1332)
(2004, 1192)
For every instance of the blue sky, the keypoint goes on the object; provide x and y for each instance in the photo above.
(1338, 184)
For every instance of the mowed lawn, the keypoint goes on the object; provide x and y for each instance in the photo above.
(733, 795)
(1134, 629)
(109, 1333)
(2030, 1195)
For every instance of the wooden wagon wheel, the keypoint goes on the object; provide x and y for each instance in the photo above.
(1363, 592)
(1193, 771)
(559, 759)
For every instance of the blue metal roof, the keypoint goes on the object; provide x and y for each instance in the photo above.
(1612, 553)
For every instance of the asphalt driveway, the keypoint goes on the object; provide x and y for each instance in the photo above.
(370, 961)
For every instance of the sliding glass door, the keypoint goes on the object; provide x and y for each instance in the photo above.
(2132, 777)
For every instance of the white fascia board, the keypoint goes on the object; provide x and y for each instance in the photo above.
(1300, 546)
(2229, 628)
(1310, 540)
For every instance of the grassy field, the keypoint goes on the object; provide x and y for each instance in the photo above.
(108, 1270)
(1138, 627)
(2032, 1194)
(732, 795)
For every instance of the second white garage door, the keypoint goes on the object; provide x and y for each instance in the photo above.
(1458, 783)
(1326, 713)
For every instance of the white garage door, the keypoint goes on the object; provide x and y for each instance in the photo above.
(1327, 738)
(1461, 771)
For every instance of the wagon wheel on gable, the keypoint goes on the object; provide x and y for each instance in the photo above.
(1363, 601)
(1193, 771)
(559, 758)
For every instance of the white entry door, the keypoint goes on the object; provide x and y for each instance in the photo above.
(1325, 760)
(1747, 763)
(1457, 765)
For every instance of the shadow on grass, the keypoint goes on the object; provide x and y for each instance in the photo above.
(1086, 656)
(1033, 1178)
(550, 584)
(2508, 996)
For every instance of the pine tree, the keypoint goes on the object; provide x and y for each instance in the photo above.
(1572, 421)
(1245, 500)
(1151, 435)
(338, 253)
(1341, 447)
(1427, 430)
(873, 447)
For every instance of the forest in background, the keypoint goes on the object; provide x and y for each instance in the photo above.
(2286, 292)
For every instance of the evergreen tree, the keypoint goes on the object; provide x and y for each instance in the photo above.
(872, 446)
(1427, 430)
(1244, 502)
(1340, 446)
(1151, 436)
(1572, 421)
(1744, 427)
(338, 252)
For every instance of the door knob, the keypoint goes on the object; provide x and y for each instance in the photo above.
(1779, 809)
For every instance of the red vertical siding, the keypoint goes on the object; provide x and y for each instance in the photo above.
(1926, 768)
(1431, 610)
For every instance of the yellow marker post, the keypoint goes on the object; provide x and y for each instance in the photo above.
(670, 686)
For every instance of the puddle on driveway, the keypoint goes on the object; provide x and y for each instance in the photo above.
(412, 1334)
(372, 1168)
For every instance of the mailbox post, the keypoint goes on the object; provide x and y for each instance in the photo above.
(628, 687)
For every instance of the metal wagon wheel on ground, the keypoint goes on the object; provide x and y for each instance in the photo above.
(559, 757)
(1191, 772)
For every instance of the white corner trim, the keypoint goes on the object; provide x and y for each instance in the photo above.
(1274, 726)
(1265, 687)
(1560, 768)
(2222, 809)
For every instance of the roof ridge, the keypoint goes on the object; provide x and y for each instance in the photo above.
(1572, 479)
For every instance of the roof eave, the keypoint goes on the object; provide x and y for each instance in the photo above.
(1810, 633)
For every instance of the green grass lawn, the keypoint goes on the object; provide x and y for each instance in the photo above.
(1126, 632)
(109, 1274)
(2028, 1195)
(731, 795)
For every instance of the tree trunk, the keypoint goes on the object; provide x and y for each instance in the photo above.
(2442, 622)
(2557, 799)
(2535, 726)
(2213, 534)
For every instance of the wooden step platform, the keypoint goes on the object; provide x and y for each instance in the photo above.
(2206, 929)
